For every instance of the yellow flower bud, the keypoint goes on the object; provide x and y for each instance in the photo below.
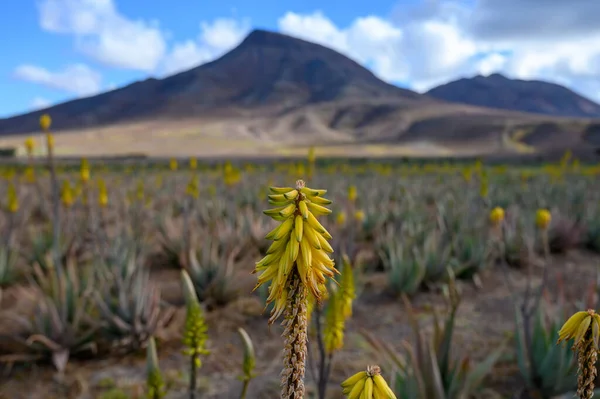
(29, 145)
(67, 195)
(103, 200)
(45, 122)
(340, 218)
(352, 193)
(192, 189)
(193, 163)
(173, 164)
(543, 217)
(102, 194)
(496, 215)
(30, 174)
(85, 175)
(13, 199)
(359, 216)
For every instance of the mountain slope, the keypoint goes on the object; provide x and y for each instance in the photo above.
(497, 91)
(274, 91)
(268, 72)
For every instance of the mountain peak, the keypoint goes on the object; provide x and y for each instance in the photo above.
(262, 37)
(497, 76)
(267, 73)
(494, 76)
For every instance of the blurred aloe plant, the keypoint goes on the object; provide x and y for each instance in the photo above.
(553, 371)
(405, 269)
(428, 369)
(43, 245)
(210, 270)
(62, 324)
(130, 305)
(8, 261)
(171, 240)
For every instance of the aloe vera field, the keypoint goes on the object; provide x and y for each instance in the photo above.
(140, 280)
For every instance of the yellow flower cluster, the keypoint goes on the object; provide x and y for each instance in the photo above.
(300, 244)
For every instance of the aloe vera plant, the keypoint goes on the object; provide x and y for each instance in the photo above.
(406, 270)
(171, 240)
(43, 243)
(471, 253)
(8, 260)
(434, 253)
(62, 324)
(553, 371)
(130, 306)
(210, 271)
(428, 369)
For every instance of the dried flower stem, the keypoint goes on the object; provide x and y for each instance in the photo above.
(587, 355)
(295, 332)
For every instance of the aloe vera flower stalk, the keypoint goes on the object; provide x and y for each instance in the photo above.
(12, 206)
(249, 362)
(297, 264)
(195, 331)
(29, 146)
(496, 218)
(352, 194)
(154, 381)
(584, 328)
(45, 123)
(12, 199)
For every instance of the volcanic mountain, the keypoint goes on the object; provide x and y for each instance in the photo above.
(275, 92)
(267, 71)
(534, 96)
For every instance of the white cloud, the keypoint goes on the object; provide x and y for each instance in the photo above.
(214, 40)
(40, 103)
(78, 79)
(369, 40)
(418, 52)
(438, 41)
(315, 28)
(104, 34)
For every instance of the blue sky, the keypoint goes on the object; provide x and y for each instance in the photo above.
(64, 49)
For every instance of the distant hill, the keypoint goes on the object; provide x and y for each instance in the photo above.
(267, 70)
(274, 90)
(498, 91)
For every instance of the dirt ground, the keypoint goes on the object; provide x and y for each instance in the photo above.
(485, 319)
